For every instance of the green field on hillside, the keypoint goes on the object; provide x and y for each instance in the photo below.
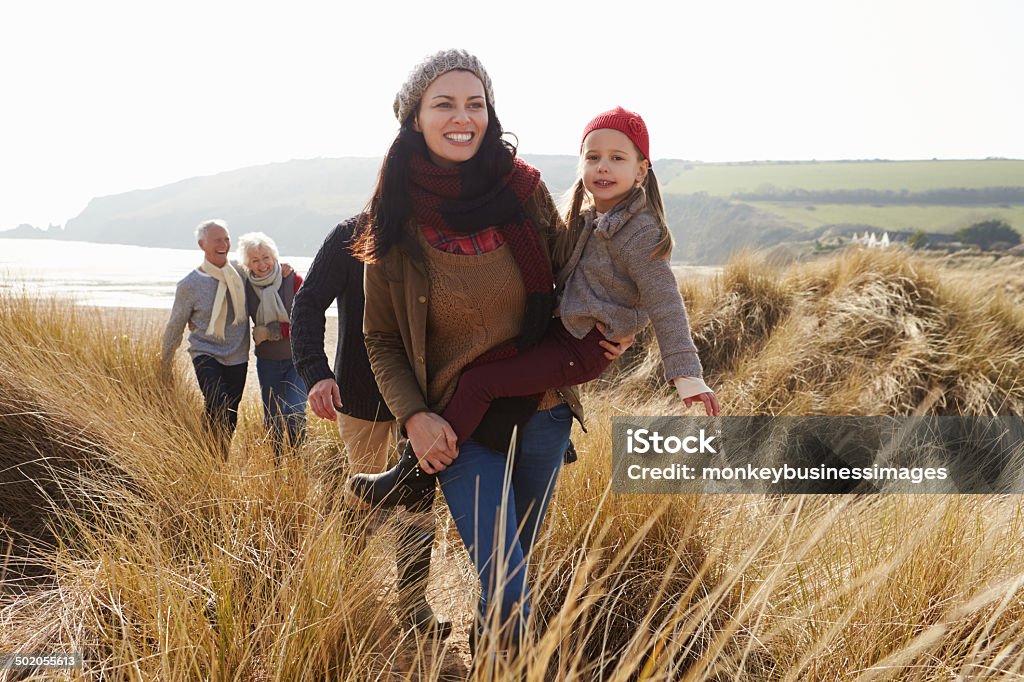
(722, 179)
(942, 219)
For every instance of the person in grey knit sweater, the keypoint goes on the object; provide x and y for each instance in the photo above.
(210, 300)
(616, 280)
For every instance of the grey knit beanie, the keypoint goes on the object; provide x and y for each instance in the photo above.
(420, 78)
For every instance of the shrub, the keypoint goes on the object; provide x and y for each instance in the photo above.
(987, 233)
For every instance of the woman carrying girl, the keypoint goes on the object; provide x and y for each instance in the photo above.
(268, 298)
(458, 247)
(616, 280)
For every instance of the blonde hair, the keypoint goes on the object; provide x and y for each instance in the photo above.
(578, 199)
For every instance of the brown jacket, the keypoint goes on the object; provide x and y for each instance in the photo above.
(395, 317)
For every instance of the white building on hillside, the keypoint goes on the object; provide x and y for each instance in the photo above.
(871, 241)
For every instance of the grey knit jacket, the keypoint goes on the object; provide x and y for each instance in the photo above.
(193, 306)
(612, 279)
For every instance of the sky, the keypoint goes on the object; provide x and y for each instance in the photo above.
(103, 97)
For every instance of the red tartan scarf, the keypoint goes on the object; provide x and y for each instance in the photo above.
(464, 200)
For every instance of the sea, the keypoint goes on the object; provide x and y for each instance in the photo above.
(104, 275)
(124, 276)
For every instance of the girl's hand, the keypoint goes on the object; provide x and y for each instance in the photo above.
(710, 402)
(433, 441)
(615, 347)
(693, 390)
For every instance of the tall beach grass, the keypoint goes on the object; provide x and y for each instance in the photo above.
(128, 540)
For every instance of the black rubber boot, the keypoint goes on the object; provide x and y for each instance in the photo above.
(413, 555)
(403, 484)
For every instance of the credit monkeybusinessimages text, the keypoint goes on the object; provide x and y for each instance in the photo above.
(777, 474)
(646, 441)
(760, 454)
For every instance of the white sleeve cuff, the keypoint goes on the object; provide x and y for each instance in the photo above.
(690, 386)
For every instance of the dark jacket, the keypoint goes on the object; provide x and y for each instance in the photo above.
(336, 275)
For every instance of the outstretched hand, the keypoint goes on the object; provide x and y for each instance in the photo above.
(709, 399)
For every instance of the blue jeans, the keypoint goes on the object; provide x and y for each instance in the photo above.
(284, 400)
(474, 487)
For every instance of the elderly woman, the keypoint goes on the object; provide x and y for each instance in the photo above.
(268, 297)
(459, 272)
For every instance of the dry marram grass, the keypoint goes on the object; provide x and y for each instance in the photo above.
(126, 539)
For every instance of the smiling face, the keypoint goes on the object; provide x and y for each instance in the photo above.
(612, 166)
(260, 261)
(453, 118)
(216, 245)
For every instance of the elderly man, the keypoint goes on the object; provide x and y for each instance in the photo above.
(210, 300)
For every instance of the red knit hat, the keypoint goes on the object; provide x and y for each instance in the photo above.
(627, 123)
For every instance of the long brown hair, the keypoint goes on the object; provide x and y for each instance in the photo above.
(389, 208)
(578, 199)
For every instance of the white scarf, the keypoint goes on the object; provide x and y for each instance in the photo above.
(228, 280)
(271, 311)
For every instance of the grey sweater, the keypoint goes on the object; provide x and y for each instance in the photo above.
(193, 305)
(612, 279)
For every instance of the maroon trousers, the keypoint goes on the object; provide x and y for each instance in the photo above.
(560, 359)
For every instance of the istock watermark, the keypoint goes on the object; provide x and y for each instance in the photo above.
(818, 455)
(642, 441)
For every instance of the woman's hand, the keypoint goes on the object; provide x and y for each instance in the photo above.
(614, 347)
(325, 399)
(433, 441)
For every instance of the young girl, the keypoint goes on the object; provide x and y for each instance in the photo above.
(617, 279)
